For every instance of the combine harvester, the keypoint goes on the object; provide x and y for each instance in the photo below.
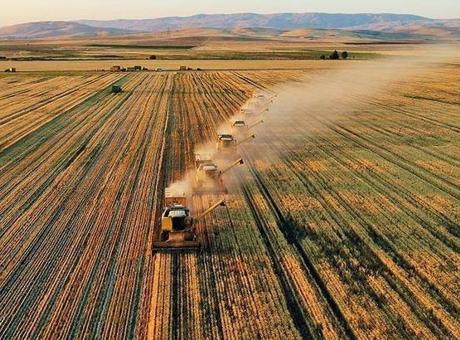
(202, 158)
(177, 226)
(209, 179)
(178, 232)
(227, 143)
(266, 106)
(240, 126)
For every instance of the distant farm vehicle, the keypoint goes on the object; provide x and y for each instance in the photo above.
(11, 70)
(116, 89)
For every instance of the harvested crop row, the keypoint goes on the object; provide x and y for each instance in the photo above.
(202, 102)
(353, 205)
(88, 183)
(19, 123)
(87, 210)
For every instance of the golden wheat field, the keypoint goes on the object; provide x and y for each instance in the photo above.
(343, 222)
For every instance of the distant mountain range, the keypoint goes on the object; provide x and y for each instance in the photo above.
(53, 29)
(390, 23)
(278, 21)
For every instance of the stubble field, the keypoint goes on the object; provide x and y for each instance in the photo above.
(340, 225)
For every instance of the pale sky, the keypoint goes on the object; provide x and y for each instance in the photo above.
(18, 11)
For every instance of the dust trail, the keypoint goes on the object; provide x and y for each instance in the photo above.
(300, 106)
(183, 187)
(294, 113)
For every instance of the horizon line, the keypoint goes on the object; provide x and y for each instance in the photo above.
(232, 13)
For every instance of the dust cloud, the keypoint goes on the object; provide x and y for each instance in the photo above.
(302, 107)
(293, 111)
(183, 187)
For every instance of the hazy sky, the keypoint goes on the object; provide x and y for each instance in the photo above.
(18, 11)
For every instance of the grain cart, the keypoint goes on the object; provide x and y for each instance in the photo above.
(177, 226)
(208, 178)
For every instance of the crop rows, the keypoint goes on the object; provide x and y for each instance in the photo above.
(219, 292)
(338, 226)
(81, 191)
(32, 105)
(379, 225)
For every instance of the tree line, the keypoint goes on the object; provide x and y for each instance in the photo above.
(335, 55)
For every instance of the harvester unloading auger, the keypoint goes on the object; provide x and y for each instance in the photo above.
(208, 177)
(247, 139)
(177, 226)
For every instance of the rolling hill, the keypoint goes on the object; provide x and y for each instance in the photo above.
(277, 21)
(407, 25)
(389, 23)
(56, 29)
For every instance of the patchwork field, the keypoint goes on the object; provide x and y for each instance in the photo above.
(343, 222)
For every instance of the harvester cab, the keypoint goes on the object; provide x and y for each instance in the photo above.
(239, 124)
(206, 178)
(177, 226)
(207, 171)
(239, 127)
